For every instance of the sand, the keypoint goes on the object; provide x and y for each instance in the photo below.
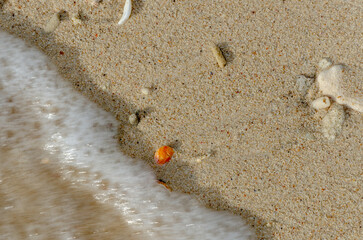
(269, 161)
(87, 218)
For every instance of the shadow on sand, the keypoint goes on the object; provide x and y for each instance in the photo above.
(130, 138)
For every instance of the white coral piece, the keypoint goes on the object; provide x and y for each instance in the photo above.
(321, 103)
(329, 82)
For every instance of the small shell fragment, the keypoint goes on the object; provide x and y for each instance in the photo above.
(163, 155)
(95, 2)
(145, 91)
(76, 20)
(218, 55)
(164, 184)
(126, 13)
(44, 161)
(133, 119)
(204, 156)
(53, 23)
(325, 63)
(321, 103)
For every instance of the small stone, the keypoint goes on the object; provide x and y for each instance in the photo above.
(76, 20)
(55, 20)
(53, 23)
(44, 161)
(95, 2)
(332, 123)
(200, 158)
(321, 103)
(103, 87)
(133, 119)
(145, 91)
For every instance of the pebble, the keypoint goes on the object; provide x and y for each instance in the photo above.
(76, 20)
(145, 91)
(44, 161)
(332, 123)
(95, 2)
(53, 23)
(201, 158)
(321, 103)
(133, 119)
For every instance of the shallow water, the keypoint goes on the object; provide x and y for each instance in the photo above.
(62, 175)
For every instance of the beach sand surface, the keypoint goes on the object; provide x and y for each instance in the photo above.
(266, 157)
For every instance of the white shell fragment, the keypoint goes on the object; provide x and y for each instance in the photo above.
(332, 123)
(145, 91)
(204, 156)
(321, 103)
(133, 119)
(53, 23)
(44, 161)
(201, 158)
(325, 63)
(329, 82)
(127, 12)
(218, 55)
(94, 2)
(76, 20)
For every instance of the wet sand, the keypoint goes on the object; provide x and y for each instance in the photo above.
(38, 203)
(269, 161)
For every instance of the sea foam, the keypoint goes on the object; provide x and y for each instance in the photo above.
(52, 116)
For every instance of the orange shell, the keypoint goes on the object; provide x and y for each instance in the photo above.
(163, 155)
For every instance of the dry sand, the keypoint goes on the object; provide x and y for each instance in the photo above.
(269, 161)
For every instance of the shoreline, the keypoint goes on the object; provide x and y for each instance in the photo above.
(247, 113)
(61, 165)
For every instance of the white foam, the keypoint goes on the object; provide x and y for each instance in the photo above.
(72, 128)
